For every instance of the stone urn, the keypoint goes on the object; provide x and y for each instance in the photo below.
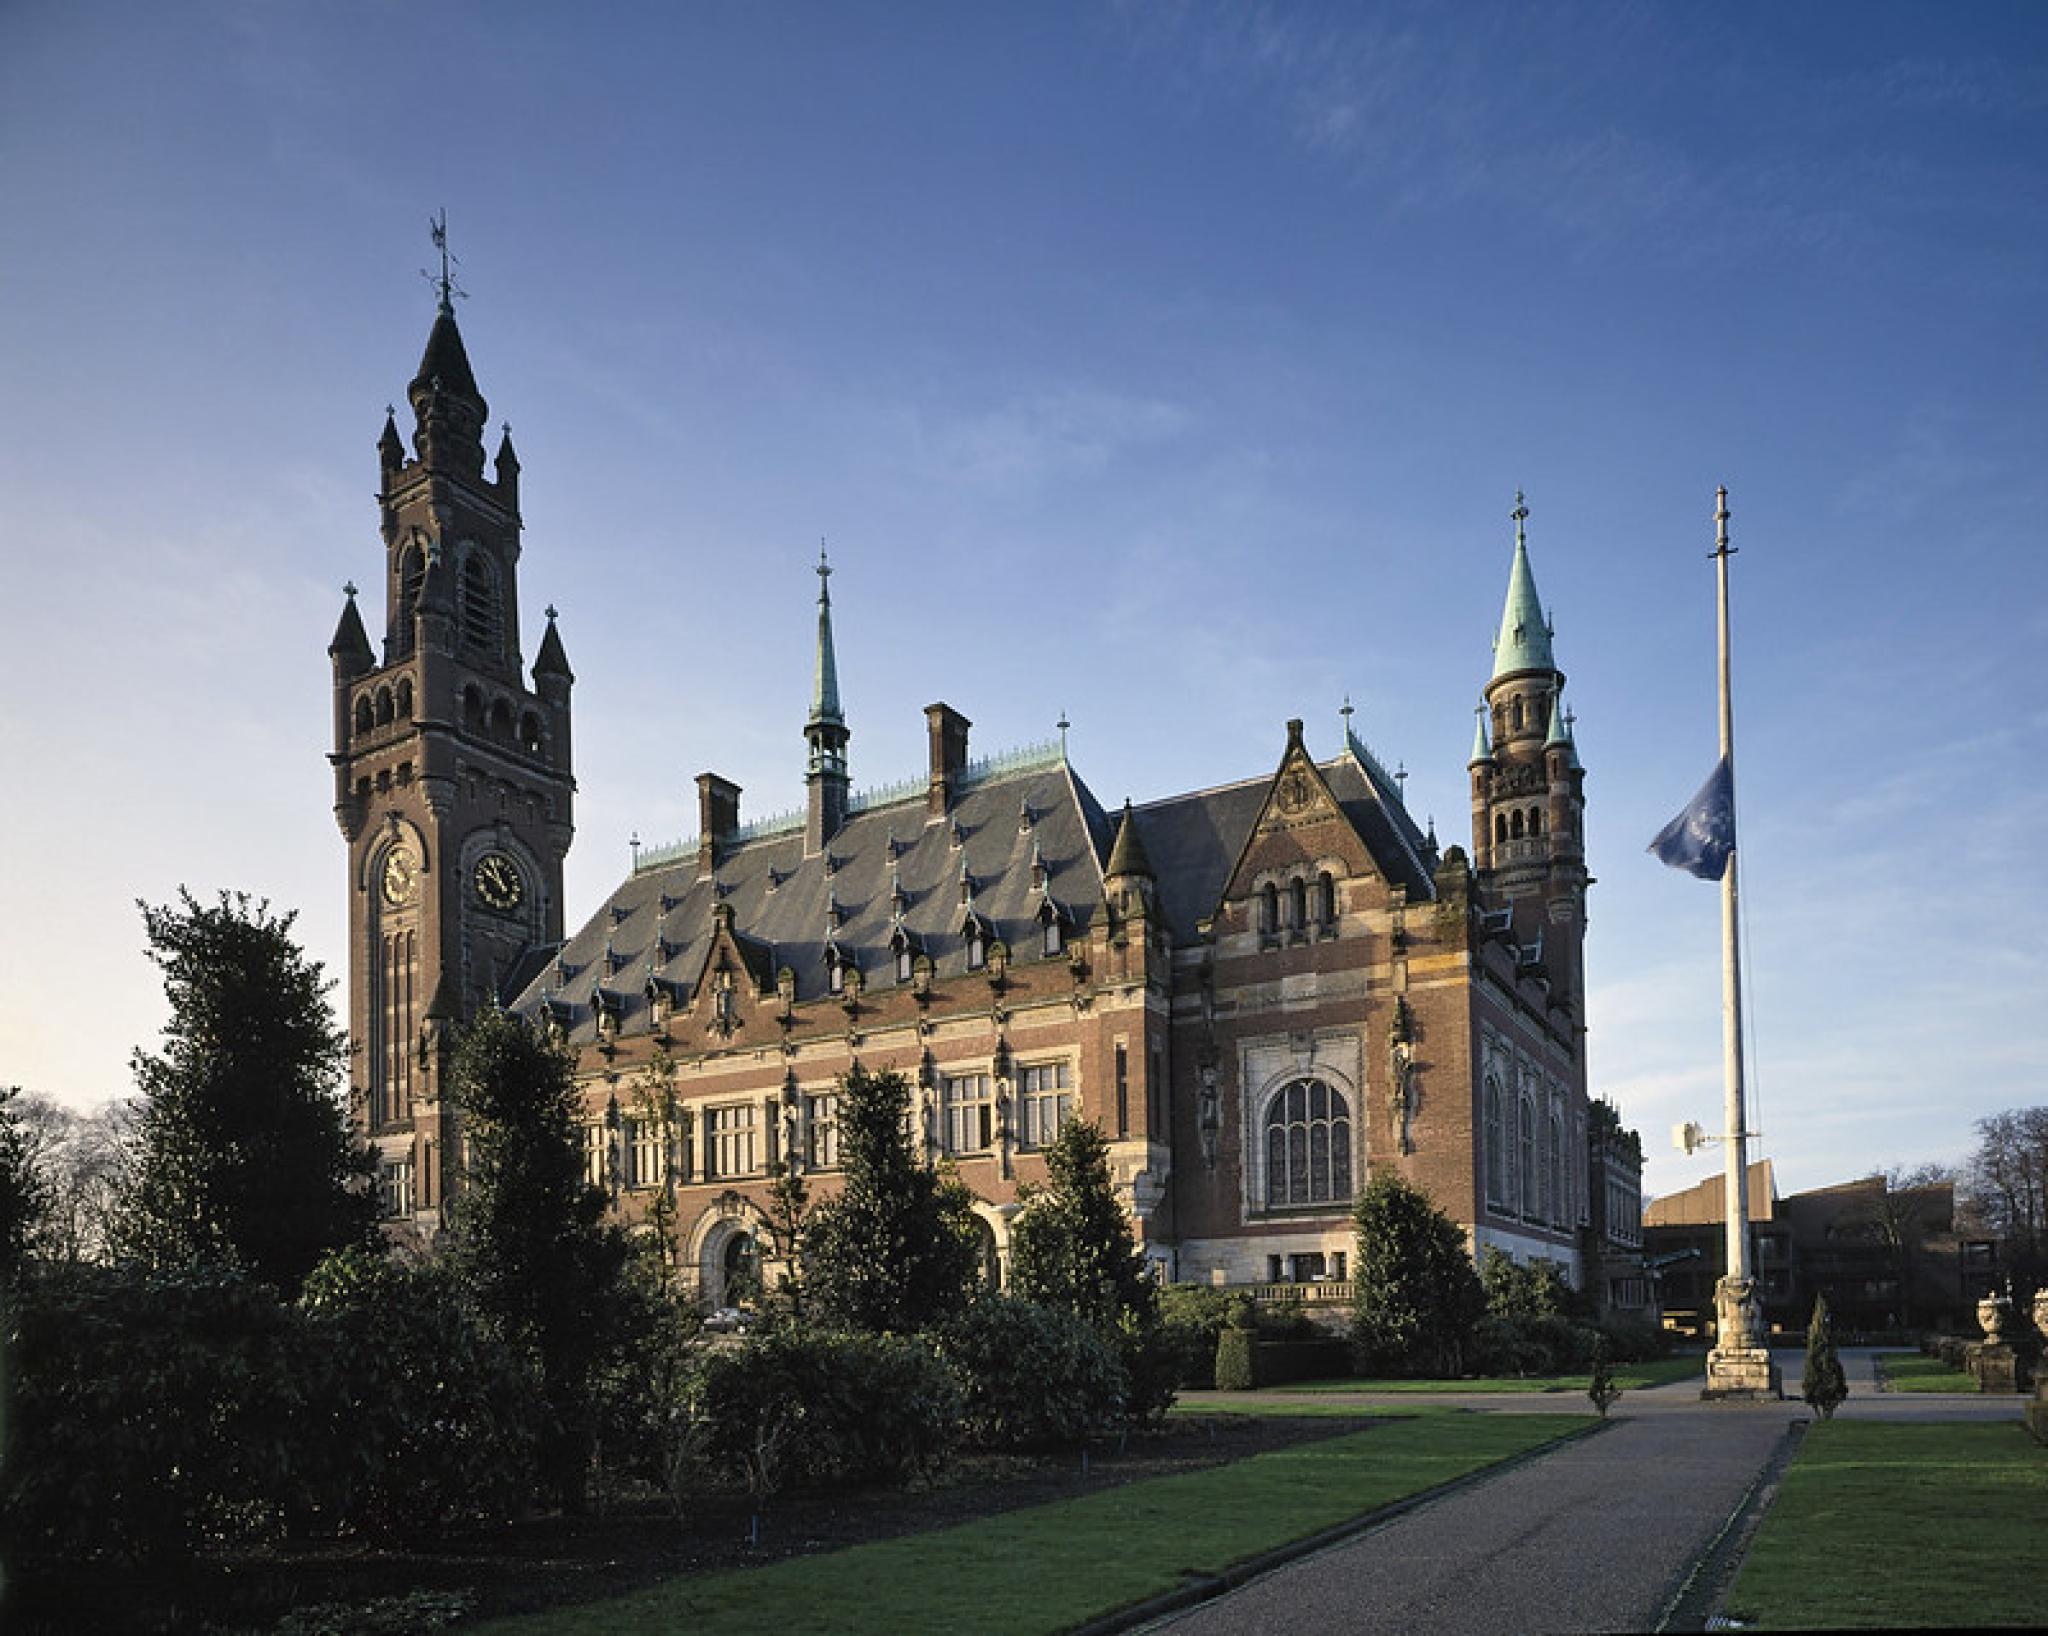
(1994, 1312)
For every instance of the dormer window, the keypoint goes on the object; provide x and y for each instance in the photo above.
(835, 970)
(977, 948)
(1052, 936)
(905, 956)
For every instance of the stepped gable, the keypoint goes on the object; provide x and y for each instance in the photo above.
(659, 922)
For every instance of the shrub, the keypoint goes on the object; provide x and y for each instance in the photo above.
(827, 1407)
(416, 1414)
(1824, 1385)
(1635, 1340)
(1236, 1368)
(1034, 1376)
(150, 1413)
(1191, 1317)
(1418, 1297)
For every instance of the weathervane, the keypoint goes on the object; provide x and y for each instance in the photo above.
(445, 283)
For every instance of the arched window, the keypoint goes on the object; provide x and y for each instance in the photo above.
(1554, 1186)
(405, 698)
(904, 957)
(1496, 1145)
(384, 715)
(365, 719)
(1500, 826)
(1515, 824)
(1269, 908)
(1308, 1145)
(1051, 938)
(1518, 715)
(835, 971)
(478, 599)
(529, 733)
(1297, 903)
(412, 573)
(501, 720)
(977, 947)
(472, 709)
(1326, 899)
(1525, 1141)
(1535, 821)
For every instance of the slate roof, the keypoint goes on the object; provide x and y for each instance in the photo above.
(659, 922)
(788, 909)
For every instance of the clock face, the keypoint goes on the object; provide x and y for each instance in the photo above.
(498, 881)
(401, 871)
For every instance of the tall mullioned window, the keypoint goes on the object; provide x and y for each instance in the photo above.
(1496, 1146)
(593, 1154)
(1045, 1099)
(1308, 1145)
(646, 1153)
(821, 1123)
(734, 1145)
(968, 1108)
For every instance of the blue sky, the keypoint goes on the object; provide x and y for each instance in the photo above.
(1174, 366)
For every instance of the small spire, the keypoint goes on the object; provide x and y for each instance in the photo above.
(1127, 856)
(1560, 736)
(1346, 712)
(351, 644)
(1482, 749)
(1063, 724)
(390, 447)
(825, 679)
(552, 660)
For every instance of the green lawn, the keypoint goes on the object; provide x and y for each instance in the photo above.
(1899, 1526)
(1916, 1372)
(1628, 1376)
(1052, 1566)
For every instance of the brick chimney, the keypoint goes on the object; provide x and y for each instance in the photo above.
(718, 817)
(948, 730)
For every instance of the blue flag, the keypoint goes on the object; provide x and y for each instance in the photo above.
(1700, 838)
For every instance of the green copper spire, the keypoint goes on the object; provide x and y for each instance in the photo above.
(1524, 640)
(1482, 750)
(1560, 728)
(825, 684)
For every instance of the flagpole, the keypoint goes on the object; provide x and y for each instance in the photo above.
(1735, 1145)
(1740, 1363)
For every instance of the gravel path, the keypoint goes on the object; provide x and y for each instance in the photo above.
(1598, 1536)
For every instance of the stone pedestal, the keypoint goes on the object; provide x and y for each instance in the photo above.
(1742, 1372)
(1995, 1366)
(1740, 1368)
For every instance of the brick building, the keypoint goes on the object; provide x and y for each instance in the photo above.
(1260, 991)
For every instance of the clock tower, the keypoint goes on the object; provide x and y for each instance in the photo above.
(452, 774)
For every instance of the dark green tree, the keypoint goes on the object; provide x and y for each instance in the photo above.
(25, 1194)
(1071, 1248)
(529, 1239)
(1601, 1388)
(896, 1251)
(1418, 1297)
(1824, 1385)
(243, 1155)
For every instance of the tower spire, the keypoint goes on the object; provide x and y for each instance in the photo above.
(826, 731)
(1524, 640)
(825, 677)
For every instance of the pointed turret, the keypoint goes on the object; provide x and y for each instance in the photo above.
(390, 447)
(1560, 737)
(1524, 640)
(1127, 856)
(826, 731)
(551, 660)
(506, 469)
(1482, 748)
(447, 406)
(350, 649)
